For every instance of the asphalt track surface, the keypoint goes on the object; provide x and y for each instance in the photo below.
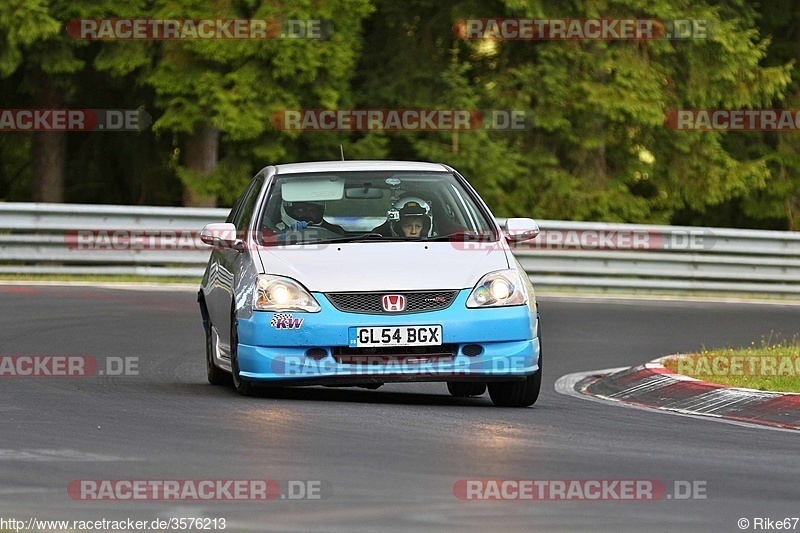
(387, 459)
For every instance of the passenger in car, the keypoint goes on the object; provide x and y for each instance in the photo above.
(412, 226)
(410, 217)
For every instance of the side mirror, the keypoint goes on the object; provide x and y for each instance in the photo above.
(520, 229)
(221, 236)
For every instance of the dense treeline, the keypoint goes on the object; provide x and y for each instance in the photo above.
(596, 148)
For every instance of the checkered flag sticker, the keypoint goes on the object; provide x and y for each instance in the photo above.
(279, 317)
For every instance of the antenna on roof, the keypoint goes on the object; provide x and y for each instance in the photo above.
(341, 151)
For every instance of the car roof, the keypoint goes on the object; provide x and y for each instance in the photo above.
(339, 166)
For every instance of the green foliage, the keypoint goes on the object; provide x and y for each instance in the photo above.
(779, 198)
(596, 146)
(23, 24)
(599, 149)
(237, 85)
(771, 365)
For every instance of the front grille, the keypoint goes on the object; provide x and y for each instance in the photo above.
(370, 302)
(395, 354)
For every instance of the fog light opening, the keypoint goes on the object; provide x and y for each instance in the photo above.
(472, 350)
(316, 353)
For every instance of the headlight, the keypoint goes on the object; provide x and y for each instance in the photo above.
(275, 293)
(497, 289)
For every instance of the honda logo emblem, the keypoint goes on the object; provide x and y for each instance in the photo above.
(394, 303)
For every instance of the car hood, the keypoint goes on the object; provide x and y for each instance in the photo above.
(377, 266)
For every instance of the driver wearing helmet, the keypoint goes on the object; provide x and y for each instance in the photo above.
(298, 215)
(409, 217)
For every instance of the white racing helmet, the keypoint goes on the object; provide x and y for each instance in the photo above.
(309, 212)
(410, 207)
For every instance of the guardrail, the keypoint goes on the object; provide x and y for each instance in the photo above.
(81, 240)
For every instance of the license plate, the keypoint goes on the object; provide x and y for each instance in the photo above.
(397, 336)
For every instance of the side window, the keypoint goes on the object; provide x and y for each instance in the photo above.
(248, 205)
(235, 209)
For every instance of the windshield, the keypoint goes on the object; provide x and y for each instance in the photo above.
(369, 207)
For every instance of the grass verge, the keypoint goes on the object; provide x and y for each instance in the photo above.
(771, 365)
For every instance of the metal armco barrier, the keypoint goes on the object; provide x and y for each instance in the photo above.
(588, 256)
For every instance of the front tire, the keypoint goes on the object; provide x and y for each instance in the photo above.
(519, 393)
(464, 389)
(242, 386)
(516, 393)
(216, 376)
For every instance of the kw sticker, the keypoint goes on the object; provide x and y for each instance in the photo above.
(285, 321)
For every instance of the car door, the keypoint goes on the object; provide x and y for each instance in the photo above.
(226, 267)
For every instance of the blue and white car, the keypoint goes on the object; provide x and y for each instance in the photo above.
(313, 281)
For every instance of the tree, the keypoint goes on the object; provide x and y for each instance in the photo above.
(31, 43)
(218, 96)
(780, 196)
(598, 148)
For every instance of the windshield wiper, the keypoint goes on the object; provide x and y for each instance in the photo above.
(465, 236)
(364, 237)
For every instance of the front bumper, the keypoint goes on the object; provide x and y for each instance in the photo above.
(307, 348)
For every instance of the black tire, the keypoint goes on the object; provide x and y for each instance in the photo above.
(463, 389)
(216, 376)
(516, 393)
(519, 393)
(242, 386)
